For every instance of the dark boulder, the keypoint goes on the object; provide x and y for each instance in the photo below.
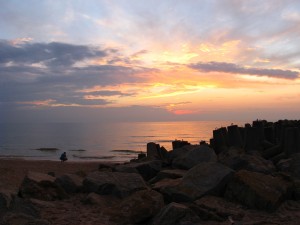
(114, 183)
(71, 183)
(205, 178)
(237, 160)
(6, 199)
(199, 154)
(257, 190)
(21, 219)
(41, 186)
(217, 208)
(175, 213)
(168, 173)
(146, 169)
(137, 208)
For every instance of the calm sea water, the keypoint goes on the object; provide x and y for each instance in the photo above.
(108, 141)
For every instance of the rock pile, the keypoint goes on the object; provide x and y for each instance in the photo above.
(244, 171)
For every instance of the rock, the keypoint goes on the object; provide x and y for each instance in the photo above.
(291, 142)
(138, 208)
(152, 149)
(6, 198)
(253, 139)
(71, 183)
(175, 213)
(238, 161)
(168, 173)
(205, 178)
(24, 206)
(21, 219)
(166, 183)
(194, 156)
(114, 183)
(41, 186)
(146, 169)
(257, 190)
(284, 165)
(219, 140)
(234, 136)
(179, 144)
(216, 208)
(103, 201)
(291, 165)
(106, 167)
(271, 152)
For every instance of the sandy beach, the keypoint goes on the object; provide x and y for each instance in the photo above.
(12, 171)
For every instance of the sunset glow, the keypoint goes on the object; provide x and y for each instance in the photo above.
(192, 60)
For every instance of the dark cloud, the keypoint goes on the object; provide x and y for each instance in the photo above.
(109, 93)
(58, 79)
(50, 54)
(236, 69)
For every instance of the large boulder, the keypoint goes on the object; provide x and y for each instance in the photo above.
(205, 178)
(196, 155)
(257, 190)
(41, 186)
(115, 183)
(168, 173)
(6, 199)
(71, 183)
(175, 213)
(21, 219)
(146, 169)
(236, 159)
(138, 208)
(216, 208)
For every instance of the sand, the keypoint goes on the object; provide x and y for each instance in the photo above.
(12, 171)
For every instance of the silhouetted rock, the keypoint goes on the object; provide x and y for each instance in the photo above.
(6, 198)
(21, 219)
(199, 154)
(41, 186)
(291, 142)
(71, 183)
(237, 160)
(253, 139)
(138, 208)
(257, 190)
(271, 152)
(219, 141)
(179, 144)
(175, 213)
(216, 208)
(234, 136)
(205, 178)
(114, 183)
(168, 173)
(146, 169)
(166, 184)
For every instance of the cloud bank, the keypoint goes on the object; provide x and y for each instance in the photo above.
(236, 69)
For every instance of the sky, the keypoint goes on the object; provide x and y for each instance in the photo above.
(149, 60)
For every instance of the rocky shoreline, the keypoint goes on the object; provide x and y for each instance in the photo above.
(245, 175)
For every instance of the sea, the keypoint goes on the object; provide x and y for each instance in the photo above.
(98, 141)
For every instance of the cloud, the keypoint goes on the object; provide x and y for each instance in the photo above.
(35, 72)
(237, 69)
(52, 54)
